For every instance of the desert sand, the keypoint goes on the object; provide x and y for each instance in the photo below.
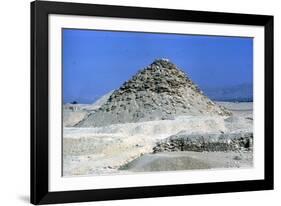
(158, 120)
(125, 148)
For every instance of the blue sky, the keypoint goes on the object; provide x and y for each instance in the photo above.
(96, 62)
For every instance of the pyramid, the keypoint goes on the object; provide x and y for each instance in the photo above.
(160, 91)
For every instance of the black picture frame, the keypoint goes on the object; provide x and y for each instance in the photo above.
(39, 102)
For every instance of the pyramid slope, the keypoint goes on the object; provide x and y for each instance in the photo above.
(158, 92)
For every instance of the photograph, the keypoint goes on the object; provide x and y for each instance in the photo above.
(143, 102)
(131, 102)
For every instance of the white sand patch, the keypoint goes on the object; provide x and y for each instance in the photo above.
(153, 129)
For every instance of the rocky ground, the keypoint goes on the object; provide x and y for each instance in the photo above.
(210, 142)
(123, 148)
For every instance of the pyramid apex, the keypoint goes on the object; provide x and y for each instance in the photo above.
(162, 60)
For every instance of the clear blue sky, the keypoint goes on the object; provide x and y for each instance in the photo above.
(96, 62)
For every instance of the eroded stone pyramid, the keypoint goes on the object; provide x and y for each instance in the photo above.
(158, 92)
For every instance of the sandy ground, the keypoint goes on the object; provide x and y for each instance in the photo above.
(104, 150)
(188, 161)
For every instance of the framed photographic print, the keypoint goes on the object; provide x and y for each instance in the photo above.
(131, 102)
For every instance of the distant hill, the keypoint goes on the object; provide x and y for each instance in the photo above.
(238, 93)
